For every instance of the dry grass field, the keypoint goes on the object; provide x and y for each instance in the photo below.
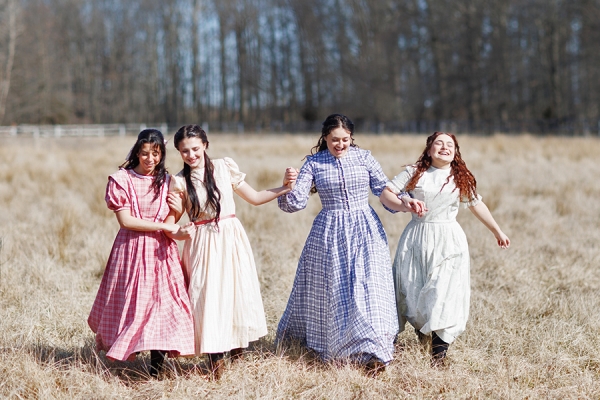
(535, 308)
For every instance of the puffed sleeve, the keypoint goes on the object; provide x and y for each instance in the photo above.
(466, 203)
(397, 184)
(297, 199)
(116, 196)
(177, 184)
(237, 177)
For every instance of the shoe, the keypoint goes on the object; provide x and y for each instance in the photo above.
(439, 349)
(157, 359)
(217, 365)
(236, 354)
(374, 367)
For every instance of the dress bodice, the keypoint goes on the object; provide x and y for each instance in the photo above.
(228, 178)
(127, 189)
(442, 205)
(342, 183)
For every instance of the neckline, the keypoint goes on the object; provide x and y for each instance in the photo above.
(140, 175)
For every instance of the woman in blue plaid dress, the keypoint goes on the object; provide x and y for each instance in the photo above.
(342, 303)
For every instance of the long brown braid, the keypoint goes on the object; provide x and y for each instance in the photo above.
(463, 178)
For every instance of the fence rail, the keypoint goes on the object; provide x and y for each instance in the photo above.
(75, 130)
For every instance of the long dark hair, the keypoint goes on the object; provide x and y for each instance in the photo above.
(332, 122)
(463, 178)
(213, 195)
(154, 137)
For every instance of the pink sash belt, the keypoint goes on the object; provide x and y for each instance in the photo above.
(208, 221)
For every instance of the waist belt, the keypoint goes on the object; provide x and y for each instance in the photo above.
(208, 221)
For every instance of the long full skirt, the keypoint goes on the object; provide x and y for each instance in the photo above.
(223, 287)
(142, 302)
(342, 301)
(433, 281)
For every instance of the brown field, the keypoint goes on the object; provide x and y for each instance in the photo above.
(535, 308)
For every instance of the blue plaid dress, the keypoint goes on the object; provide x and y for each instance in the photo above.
(342, 303)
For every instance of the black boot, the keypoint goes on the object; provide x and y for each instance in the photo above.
(439, 348)
(236, 354)
(217, 365)
(157, 359)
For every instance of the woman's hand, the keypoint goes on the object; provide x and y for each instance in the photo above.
(503, 240)
(184, 232)
(289, 178)
(175, 201)
(416, 206)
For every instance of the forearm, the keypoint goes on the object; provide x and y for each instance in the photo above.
(391, 201)
(255, 198)
(127, 221)
(482, 212)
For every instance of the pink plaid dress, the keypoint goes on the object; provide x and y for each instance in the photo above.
(142, 303)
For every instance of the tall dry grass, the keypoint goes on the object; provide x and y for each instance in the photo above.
(535, 316)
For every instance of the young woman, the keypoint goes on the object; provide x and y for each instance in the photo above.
(223, 282)
(142, 302)
(342, 302)
(431, 267)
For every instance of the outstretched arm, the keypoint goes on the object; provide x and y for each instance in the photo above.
(483, 214)
(247, 192)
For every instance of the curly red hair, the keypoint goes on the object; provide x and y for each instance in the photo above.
(463, 178)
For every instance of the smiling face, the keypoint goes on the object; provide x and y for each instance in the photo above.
(442, 151)
(192, 151)
(149, 157)
(338, 141)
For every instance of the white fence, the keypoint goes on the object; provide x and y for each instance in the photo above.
(76, 130)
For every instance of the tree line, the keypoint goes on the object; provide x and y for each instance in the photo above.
(475, 65)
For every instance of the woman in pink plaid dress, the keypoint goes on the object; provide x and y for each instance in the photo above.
(142, 303)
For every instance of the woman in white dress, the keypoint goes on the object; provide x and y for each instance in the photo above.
(431, 267)
(222, 280)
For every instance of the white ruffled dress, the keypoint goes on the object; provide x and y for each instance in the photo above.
(431, 267)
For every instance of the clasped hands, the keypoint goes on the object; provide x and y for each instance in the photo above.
(290, 176)
(416, 206)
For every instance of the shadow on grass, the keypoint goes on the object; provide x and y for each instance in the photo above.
(87, 359)
(131, 373)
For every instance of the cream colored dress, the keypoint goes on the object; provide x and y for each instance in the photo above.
(223, 283)
(431, 267)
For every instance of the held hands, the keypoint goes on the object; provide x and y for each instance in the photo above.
(289, 178)
(184, 232)
(416, 206)
(175, 201)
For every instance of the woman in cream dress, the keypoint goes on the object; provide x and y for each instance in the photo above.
(431, 267)
(222, 280)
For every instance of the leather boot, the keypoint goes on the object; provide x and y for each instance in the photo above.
(236, 354)
(217, 365)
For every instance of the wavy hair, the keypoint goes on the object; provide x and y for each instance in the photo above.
(213, 194)
(463, 178)
(156, 138)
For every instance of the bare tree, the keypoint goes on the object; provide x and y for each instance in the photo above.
(10, 28)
